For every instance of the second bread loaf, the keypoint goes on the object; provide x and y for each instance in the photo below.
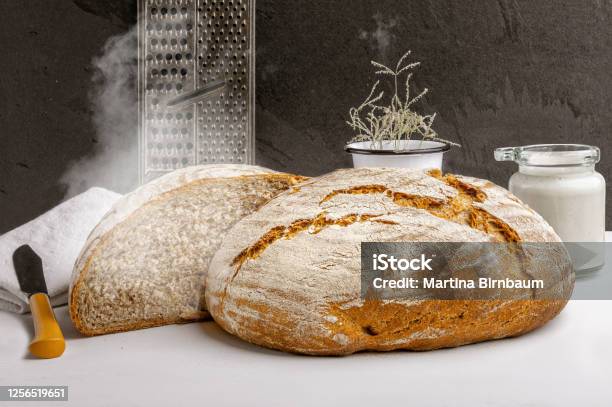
(144, 264)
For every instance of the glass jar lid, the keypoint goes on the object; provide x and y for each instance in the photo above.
(550, 155)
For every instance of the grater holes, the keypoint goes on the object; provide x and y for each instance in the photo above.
(218, 53)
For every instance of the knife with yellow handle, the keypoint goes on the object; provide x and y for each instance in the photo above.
(48, 339)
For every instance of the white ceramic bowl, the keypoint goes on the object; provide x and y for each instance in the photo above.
(421, 154)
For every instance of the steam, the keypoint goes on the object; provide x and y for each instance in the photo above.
(113, 163)
(381, 38)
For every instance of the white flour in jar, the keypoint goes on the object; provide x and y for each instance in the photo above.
(571, 199)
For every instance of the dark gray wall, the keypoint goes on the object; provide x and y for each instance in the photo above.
(506, 72)
(45, 77)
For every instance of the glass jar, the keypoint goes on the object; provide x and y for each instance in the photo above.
(559, 182)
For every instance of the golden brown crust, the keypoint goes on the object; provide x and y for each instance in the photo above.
(367, 324)
(151, 323)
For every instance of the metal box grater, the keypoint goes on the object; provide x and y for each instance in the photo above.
(184, 47)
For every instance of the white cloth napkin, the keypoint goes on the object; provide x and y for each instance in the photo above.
(57, 237)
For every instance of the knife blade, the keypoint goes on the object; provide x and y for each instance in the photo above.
(29, 270)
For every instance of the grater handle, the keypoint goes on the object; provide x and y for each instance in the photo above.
(195, 96)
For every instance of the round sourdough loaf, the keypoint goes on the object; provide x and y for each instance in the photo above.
(145, 262)
(288, 276)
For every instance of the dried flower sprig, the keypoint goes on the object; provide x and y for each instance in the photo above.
(396, 121)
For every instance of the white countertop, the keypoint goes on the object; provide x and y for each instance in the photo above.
(568, 362)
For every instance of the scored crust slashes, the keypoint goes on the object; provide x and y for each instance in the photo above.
(459, 209)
